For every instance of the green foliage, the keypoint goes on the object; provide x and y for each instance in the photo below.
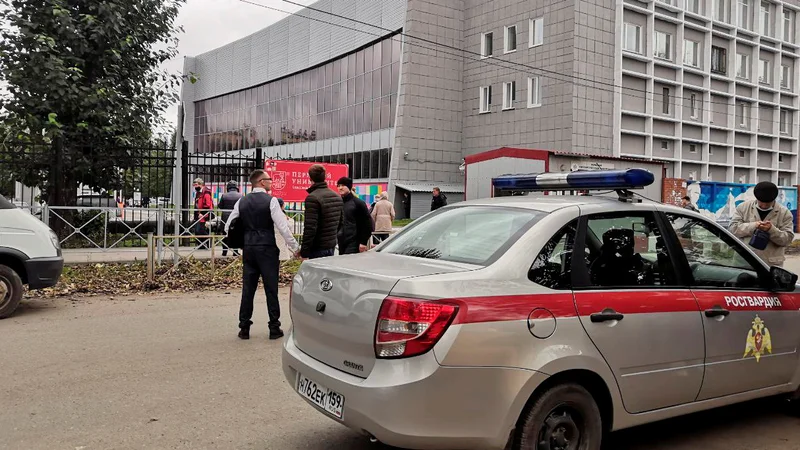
(86, 75)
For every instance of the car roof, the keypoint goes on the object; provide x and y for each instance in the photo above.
(550, 203)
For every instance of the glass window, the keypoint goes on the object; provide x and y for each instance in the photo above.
(351, 65)
(786, 121)
(485, 99)
(742, 66)
(691, 53)
(376, 114)
(786, 77)
(534, 92)
(663, 45)
(395, 77)
(471, 234)
(788, 24)
(375, 164)
(509, 95)
(744, 13)
(392, 110)
(665, 101)
(715, 259)
(721, 10)
(369, 62)
(343, 69)
(397, 48)
(627, 250)
(385, 112)
(766, 22)
(367, 124)
(290, 91)
(368, 89)
(384, 166)
(719, 60)
(377, 55)
(335, 96)
(386, 80)
(487, 45)
(536, 32)
(337, 71)
(328, 74)
(764, 72)
(552, 268)
(358, 118)
(510, 39)
(376, 83)
(359, 91)
(365, 164)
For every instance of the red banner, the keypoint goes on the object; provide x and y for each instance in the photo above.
(290, 178)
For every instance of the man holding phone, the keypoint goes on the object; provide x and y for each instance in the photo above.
(764, 224)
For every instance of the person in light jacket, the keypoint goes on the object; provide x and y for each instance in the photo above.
(765, 214)
(383, 215)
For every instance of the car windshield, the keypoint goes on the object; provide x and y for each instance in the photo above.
(5, 204)
(469, 234)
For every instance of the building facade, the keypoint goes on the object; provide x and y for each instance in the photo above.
(409, 88)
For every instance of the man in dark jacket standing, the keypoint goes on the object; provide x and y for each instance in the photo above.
(356, 220)
(323, 217)
(226, 204)
(260, 215)
(438, 199)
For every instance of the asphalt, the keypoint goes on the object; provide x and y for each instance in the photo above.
(167, 372)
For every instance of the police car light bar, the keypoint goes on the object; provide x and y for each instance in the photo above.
(588, 180)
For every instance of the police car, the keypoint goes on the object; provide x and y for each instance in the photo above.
(541, 321)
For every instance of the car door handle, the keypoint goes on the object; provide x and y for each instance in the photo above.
(606, 316)
(717, 312)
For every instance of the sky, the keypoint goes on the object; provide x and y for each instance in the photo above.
(209, 24)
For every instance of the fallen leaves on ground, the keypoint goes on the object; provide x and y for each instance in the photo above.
(131, 278)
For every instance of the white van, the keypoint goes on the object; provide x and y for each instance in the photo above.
(29, 254)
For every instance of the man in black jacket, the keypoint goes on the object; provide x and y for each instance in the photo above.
(438, 199)
(323, 217)
(226, 204)
(356, 222)
(260, 215)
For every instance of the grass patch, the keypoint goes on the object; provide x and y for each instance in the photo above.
(401, 222)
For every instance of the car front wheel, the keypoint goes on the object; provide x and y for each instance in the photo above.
(564, 417)
(10, 291)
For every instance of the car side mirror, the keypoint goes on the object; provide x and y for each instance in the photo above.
(782, 279)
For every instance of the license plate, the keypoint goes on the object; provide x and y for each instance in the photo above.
(330, 401)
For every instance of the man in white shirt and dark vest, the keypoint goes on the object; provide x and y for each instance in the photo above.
(260, 215)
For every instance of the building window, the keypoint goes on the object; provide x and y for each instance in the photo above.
(786, 121)
(782, 181)
(665, 100)
(766, 25)
(536, 32)
(509, 95)
(786, 77)
(692, 148)
(693, 106)
(721, 10)
(742, 113)
(691, 53)
(534, 92)
(743, 66)
(693, 6)
(511, 39)
(487, 45)
(741, 154)
(663, 45)
(632, 38)
(780, 158)
(788, 25)
(744, 14)
(764, 72)
(485, 99)
(719, 60)
(710, 151)
(665, 145)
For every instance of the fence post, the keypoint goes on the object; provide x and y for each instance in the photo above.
(160, 232)
(213, 254)
(46, 214)
(150, 254)
(259, 158)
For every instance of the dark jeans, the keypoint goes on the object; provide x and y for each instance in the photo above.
(264, 263)
(201, 230)
(320, 253)
(380, 238)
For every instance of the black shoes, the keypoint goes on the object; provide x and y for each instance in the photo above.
(244, 333)
(275, 334)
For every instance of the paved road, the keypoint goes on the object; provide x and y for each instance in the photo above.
(167, 372)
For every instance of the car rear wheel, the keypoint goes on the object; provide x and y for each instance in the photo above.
(10, 291)
(565, 417)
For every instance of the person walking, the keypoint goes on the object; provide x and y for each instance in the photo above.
(260, 216)
(203, 204)
(356, 222)
(764, 224)
(439, 199)
(323, 216)
(226, 204)
(383, 214)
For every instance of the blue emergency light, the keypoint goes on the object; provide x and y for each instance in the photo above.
(588, 180)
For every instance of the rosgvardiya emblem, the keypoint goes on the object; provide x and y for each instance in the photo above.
(758, 340)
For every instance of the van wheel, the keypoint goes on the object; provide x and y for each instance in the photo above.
(564, 417)
(10, 291)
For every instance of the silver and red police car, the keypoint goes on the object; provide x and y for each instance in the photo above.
(541, 322)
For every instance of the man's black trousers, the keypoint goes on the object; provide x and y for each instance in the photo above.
(264, 263)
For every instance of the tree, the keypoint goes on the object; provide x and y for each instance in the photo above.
(85, 88)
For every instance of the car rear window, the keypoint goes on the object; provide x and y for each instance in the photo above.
(469, 234)
(5, 204)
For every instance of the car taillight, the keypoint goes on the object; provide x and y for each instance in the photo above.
(409, 327)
